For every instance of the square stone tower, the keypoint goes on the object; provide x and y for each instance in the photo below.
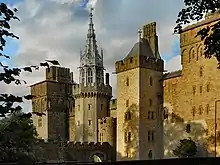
(140, 100)
(53, 98)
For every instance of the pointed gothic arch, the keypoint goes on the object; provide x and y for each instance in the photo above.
(191, 54)
(90, 75)
(82, 76)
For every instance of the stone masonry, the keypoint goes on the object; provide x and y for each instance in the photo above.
(151, 111)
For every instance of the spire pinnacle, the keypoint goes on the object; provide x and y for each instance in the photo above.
(90, 14)
(91, 61)
(139, 34)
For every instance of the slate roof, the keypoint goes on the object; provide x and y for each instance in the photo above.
(141, 48)
(172, 74)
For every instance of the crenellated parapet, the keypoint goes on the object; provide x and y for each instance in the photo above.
(139, 61)
(59, 74)
(87, 145)
(95, 90)
(74, 145)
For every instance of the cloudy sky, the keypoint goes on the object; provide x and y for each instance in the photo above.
(56, 29)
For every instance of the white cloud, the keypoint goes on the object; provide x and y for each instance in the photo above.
(173, 64)
(55, 29)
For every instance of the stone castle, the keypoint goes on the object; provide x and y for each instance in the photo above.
(151, 111)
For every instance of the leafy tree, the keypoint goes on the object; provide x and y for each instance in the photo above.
(11, 145)
(186, 148)
(195, 10)
(17, 136)
(10, 75)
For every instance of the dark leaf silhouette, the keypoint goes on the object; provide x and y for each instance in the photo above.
(186, 148)
(54, 62)
(17, 133)
(45, 64)
(27, 69)
(39, 113)
(29, 97)
(26, 115)
(4, 56)
(194, 11)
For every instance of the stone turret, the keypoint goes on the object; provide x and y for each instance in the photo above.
(107, 130)
(91, 95)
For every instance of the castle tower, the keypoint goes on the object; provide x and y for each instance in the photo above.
(91, 95)
(107, 130)
(140, 100)
(53, 98)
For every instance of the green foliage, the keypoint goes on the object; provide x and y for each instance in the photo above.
(9, 75)
(186, 148)
(17, 136)
(17, 132)
(195, 10)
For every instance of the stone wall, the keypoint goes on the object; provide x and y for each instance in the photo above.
(193, 93)
(56, 151)
(107, 130)
(113, 108)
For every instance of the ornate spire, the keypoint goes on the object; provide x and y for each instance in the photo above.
(91, 31)
(91, 61)
(91, 48)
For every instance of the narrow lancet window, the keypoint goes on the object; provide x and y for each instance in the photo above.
(90, 75)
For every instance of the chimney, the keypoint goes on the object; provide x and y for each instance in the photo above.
(107, 78)
(149, 33)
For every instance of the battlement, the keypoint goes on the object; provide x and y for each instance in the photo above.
(113, 104)
(92, 90)
(87, 145)
(107, 121)
(47, 142)
(139, 61)
(73, 145)
(59, 74)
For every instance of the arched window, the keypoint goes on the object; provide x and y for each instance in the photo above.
(83, 76)
(90, 75)
(127, 81)
(201, 51)
(191, 54)
(150, 102)
(151, 81)
(150, 154)
(42, 107)
(201, 71)
(188, 128)
(127, 116)
(166, 113)
(98, 76)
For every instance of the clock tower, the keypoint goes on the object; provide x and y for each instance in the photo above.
(92, 95)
